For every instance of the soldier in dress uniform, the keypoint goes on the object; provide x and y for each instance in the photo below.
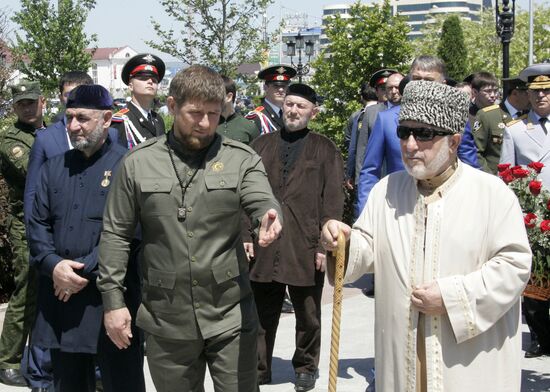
(268, 116)
(15, 145)
(526, 140)
(490, 122)
(138, 121)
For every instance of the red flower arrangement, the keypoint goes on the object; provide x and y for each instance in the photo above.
(535, 204)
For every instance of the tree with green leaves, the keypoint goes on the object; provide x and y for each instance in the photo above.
(5, 67)
(53, 40)
(370, 39)
(451, 48)
(484, 46)
(220, 33)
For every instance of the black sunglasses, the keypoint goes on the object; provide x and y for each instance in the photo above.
(420, 134)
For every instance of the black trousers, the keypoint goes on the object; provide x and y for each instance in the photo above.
(73, 372)
(122, 370)
(538, 320)
(307, 309)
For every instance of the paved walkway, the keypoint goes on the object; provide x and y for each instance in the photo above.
(356, 352)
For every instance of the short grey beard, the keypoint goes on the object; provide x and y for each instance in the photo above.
(89, 142)
(434, 167)
(292, 128)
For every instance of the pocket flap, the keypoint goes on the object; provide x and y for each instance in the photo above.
(156, 185)
(162, 279)
(221, 180)
(225, 271)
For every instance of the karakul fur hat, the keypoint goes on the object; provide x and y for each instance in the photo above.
(435, 104)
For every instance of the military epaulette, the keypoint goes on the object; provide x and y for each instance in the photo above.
(119, 116)
(234, 143)
(490, 108)
(520, 118)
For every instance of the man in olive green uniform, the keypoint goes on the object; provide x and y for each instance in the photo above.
(186, 190)
(491, 121)
(15, 145)
(232, 124)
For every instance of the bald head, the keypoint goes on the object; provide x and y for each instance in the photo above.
(392, 88)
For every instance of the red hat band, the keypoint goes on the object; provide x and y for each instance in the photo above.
(277, 78)
(144, 68)
(380, 81)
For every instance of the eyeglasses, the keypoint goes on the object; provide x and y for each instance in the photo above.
(419, 134)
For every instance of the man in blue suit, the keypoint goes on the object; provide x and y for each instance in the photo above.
(36, 366)
(49, 142)
(53, 140)
(384, 148)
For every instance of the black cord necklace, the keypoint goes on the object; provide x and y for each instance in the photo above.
(182, 209)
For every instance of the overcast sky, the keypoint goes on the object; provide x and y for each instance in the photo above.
(127, 22)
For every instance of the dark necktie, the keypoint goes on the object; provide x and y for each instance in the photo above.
(281, 113)
(150, 117)
(543, 121)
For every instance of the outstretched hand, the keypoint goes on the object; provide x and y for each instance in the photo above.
(270, 228)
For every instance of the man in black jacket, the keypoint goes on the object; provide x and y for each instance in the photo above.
(138, 121)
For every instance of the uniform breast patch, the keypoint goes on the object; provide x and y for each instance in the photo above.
(217, 167)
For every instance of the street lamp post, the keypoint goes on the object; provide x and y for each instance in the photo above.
(299, 44)
(504, 22)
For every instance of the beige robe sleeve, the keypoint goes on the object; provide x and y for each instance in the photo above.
(361, 251)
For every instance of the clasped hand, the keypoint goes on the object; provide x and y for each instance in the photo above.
(427, 299)
(65, 281)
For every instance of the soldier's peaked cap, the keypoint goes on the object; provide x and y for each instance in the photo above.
(143, 63)
(277, 73)
(380, 77)
(515, 83)
(537, 76)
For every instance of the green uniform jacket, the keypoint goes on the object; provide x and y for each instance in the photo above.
(238, 128)
(488, 130)
(15, 146)
(195, 272)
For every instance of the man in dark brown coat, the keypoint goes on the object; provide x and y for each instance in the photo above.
(306, 173)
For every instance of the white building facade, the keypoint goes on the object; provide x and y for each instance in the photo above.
(417, 12)
(107, 64)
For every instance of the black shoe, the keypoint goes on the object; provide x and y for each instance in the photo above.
(287, 306)
(12, 377)
(304, 382)
(535, 350)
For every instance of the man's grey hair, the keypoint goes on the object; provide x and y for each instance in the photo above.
(430, 64)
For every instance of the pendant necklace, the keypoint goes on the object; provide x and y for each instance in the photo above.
(182, 210)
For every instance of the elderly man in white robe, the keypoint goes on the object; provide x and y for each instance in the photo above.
(451, 256)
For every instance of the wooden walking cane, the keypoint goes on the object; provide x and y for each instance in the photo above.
(340, 254)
